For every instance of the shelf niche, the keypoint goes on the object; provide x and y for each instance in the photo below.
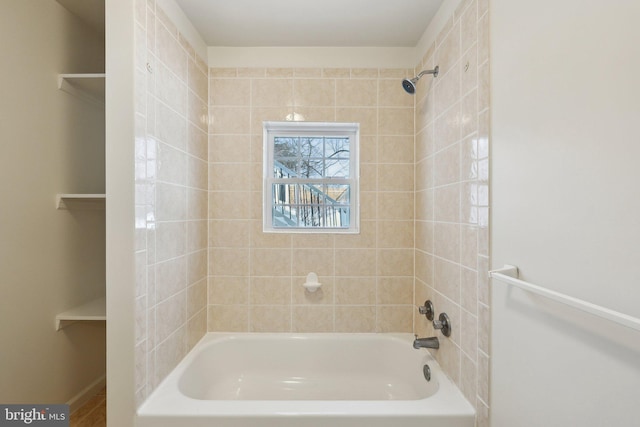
(89, 87)
(80, 201)
(91, 311)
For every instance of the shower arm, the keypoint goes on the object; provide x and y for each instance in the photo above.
(434, 72)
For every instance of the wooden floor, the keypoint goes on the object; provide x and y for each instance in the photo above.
(93, 413)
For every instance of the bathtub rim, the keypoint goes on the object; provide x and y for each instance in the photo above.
(167, 401)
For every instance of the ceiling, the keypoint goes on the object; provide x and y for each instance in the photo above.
(330, 23)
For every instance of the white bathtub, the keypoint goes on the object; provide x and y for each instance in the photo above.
(306, 380)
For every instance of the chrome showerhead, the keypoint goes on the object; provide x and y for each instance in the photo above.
(409, 85)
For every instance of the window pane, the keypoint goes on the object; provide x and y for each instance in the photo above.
(285, 147)
(337, 152)
(284, 194)
(284, 210)
(311, 157)
(319, 208)
(285, 168)
(312, 147)
(285, 157)
(339, 193)
(310, 194)
(337, 148)
(306, 205)
(327, 216)
(337, 168)
(311, 168)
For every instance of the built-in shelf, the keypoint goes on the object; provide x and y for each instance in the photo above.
(89, 87)
(80, 201)
(91, 311)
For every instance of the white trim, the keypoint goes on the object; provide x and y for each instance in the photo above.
(119, 216)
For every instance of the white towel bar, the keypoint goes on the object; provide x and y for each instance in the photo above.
(509, 274)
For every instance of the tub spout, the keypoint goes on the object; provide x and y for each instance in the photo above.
(431, 342)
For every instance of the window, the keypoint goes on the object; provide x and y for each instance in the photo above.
(310, 177)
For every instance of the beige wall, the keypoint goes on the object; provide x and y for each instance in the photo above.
(452, 200)
(51, 260)
(171, 196)
(255, 279)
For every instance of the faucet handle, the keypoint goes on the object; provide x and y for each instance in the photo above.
(443, 323)
(427, 310)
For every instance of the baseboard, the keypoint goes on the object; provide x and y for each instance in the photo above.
(86, 394)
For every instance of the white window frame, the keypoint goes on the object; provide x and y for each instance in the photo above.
(292, 128)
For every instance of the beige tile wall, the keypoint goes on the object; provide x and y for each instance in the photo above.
(452, 199)
(171, 196)
(424, 197)
(255, 279)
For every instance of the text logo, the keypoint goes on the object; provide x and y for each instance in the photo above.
(34, 415)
